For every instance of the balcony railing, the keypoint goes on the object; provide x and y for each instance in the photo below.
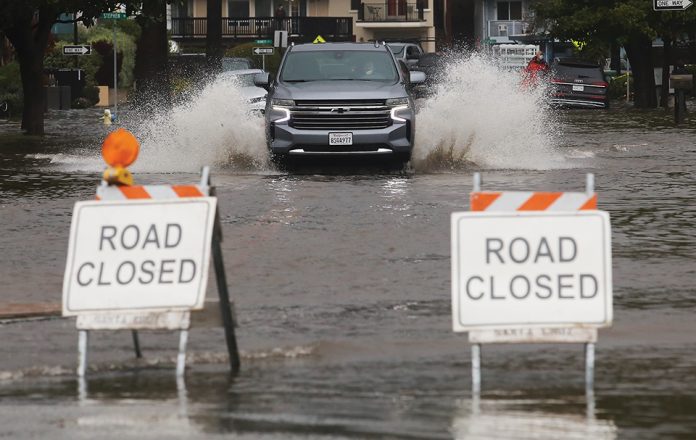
(331, 28)
(394, 10)
(506, 28)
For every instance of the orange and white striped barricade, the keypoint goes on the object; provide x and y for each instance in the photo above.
(138, 260)
(531, 267)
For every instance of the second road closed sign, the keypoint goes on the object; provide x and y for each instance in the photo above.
(535, 269)
(138, 255)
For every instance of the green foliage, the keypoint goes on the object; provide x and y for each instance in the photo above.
(10, 80)
(245, 51)
(617, 87)
(11, 88)
(126, 45)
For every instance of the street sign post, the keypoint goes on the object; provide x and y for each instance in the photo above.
(671, 5)
(263, 51)
(114, 16)
(78, 49)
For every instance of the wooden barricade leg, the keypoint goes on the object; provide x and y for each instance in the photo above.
(136, 344)
(227, 319)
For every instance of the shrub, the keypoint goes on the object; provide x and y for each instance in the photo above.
(617, 87)
(81, 102)
(91, 94)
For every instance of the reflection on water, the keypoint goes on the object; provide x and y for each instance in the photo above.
(516, 418)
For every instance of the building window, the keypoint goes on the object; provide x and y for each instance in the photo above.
(238, 9)
(509, 10)
(355, 4)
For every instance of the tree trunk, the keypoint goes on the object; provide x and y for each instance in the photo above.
(29, 36)
(666, 61)
(213, 42)
(639, 51)
(151, 70)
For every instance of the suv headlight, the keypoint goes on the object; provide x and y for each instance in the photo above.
(393, 102)
(283, 102)
(398, 105)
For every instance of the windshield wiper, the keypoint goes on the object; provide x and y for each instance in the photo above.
(297, 80)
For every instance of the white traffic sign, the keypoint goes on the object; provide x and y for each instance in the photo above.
(138, 255)
(263, 51)
(79, 49)
(280, 39)
(531, 270)
(671, 5)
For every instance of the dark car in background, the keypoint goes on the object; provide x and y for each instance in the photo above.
(578, 83)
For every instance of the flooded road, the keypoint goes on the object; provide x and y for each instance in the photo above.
(341, 279)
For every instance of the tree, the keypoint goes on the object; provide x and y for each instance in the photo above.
(151, 73)
(27, 24)
(631, 23)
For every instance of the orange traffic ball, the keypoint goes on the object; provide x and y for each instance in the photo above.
(120, 148)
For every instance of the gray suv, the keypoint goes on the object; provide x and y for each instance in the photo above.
(340, 98)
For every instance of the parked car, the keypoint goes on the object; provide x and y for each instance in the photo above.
(234, 63)
(244, 81)
(578, 83)
(340, 98)
(432, 64)
(410, 53)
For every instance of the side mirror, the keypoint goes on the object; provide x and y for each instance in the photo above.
(262, 80)
(417, 77)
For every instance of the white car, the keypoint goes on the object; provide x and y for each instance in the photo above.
(244, 81)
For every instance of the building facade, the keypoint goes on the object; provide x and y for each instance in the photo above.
(335, 20)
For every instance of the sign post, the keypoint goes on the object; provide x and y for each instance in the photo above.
(531, 268)
(263, 51)
(114, 16)
(671, 5)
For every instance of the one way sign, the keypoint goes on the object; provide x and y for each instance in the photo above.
(79, 49)
(262, 51)
(671, 5)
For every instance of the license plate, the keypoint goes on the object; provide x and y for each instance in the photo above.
(578, 88)
(340, 138)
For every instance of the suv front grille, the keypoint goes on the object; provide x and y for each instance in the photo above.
(340, 115)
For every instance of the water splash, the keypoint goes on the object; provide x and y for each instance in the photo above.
(480, 115)
(210, 127)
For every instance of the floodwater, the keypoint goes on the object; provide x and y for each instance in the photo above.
(341, 279)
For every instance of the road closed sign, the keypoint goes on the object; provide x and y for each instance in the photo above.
(531, 269)
(138, 255)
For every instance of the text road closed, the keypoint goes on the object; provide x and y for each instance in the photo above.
(531, 269)
(138, 255)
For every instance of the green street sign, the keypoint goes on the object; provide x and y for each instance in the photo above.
(263, 42)
(113, 16)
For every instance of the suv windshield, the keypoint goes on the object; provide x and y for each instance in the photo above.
(334, 65)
